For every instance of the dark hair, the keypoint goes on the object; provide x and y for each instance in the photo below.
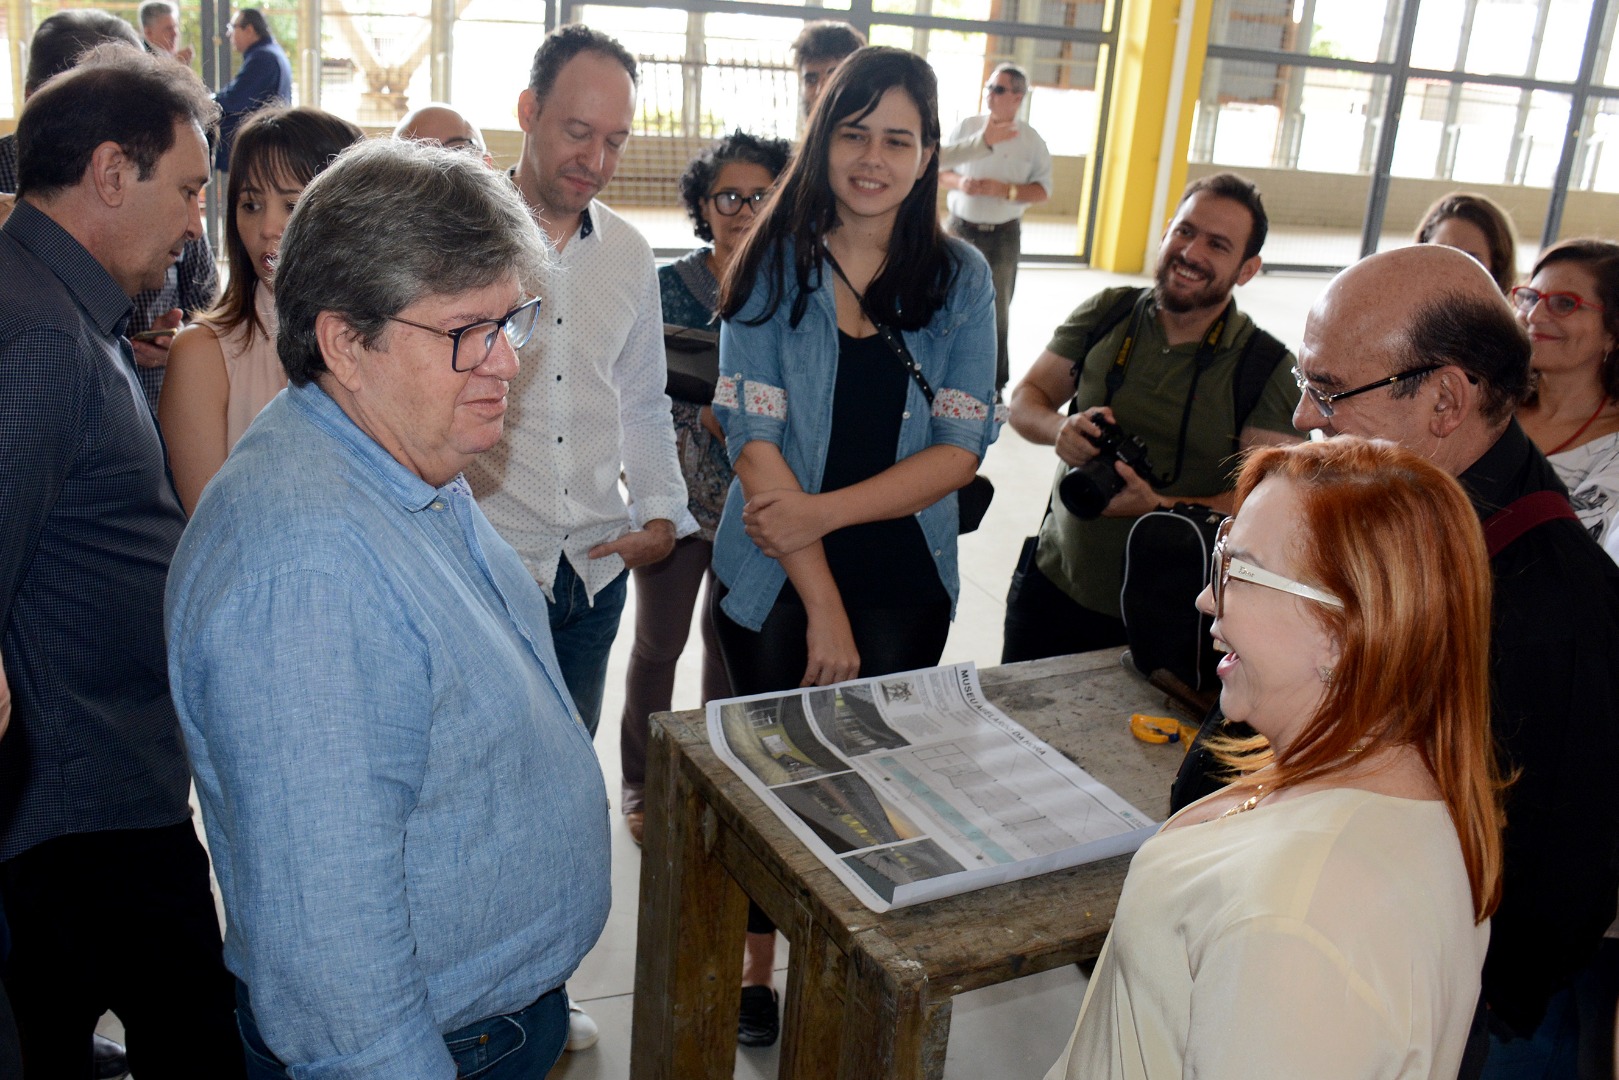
(826, 39)
(1020, 78)
(769, 154)
(1482, 337)
(390, 222)
(293, 144)
(915, 280)
(563, 44)
(1600, 258)
(115, 94)
(150, 11)
(254, 18)
(1231, 186)
(61, 39)
(1489, 219)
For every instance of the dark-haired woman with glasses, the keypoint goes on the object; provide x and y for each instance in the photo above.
(1571, 310)
(723, 188)
(1326, 915)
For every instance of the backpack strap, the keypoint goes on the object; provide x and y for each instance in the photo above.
(1522, 514)
(1116, 313)
(1254, 368)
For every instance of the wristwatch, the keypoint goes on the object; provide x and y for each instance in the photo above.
(1011, 192)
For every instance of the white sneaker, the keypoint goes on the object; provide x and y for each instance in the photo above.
(582, 1030)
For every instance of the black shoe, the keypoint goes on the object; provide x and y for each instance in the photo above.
(108, 1056)
(758, 1023)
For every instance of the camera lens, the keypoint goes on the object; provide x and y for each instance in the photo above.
(1087, 489)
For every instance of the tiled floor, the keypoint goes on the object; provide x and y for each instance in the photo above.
(1008, 1032)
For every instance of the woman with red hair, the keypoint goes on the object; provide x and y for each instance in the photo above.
(1326, 915)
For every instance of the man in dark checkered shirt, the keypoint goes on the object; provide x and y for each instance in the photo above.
(104, 882)
(190, 285)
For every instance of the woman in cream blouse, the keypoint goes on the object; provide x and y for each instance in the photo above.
(1327, 914)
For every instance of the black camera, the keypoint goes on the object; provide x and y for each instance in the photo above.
(1088, 488)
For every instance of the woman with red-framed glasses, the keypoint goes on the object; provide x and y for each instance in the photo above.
(1570, 307)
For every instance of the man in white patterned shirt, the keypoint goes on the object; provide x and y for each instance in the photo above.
(589, 400)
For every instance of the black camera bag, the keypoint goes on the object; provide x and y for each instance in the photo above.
(1166, 564)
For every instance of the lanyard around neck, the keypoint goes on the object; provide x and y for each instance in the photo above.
(1201, 361)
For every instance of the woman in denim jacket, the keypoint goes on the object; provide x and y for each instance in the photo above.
(837, 548)
(838, 542)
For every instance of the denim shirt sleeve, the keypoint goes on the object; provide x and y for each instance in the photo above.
(963, 340)
(750, 399)
(321, 739)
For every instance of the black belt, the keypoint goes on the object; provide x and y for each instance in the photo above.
(963, 223)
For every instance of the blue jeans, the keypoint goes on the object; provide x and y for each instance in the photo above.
(583, 634)
(518, 1046)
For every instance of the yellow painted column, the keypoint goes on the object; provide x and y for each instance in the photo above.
(1150, 120)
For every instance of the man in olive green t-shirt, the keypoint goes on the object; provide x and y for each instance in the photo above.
(1066, 597)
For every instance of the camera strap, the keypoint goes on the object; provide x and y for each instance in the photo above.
(1201, 361)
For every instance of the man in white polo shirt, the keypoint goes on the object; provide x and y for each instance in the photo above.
(988, 195)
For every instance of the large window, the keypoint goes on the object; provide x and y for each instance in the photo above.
(1355, 115)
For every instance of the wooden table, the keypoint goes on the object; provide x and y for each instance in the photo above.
(868, 995)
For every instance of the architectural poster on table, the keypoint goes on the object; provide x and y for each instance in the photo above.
(913, 786)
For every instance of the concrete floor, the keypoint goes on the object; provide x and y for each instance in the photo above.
(1009, 1032)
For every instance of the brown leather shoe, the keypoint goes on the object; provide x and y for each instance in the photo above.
(635, 821)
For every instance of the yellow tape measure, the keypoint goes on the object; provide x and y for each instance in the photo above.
(1161, 729)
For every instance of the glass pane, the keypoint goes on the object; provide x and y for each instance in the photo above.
(1075, 14)
(1345, 29)
(1596, 163)
(1284, 116)
(1303, 136)
(492, 46)
(375, 59)
(834, 7)
(1477, 134)
(1538, 38)
(10, 68)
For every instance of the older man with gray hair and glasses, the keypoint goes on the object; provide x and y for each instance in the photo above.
(406, 816)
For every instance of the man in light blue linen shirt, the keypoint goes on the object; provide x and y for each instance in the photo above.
(406, 816)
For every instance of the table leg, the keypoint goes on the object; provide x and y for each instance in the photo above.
(892, 1028)
(812, 1019)
(689, 948)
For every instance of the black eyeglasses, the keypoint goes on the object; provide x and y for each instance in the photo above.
(1323, 401)
(518, 324)
(729, 203)
(996, 90)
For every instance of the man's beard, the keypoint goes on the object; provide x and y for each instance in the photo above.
(1211, 293)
